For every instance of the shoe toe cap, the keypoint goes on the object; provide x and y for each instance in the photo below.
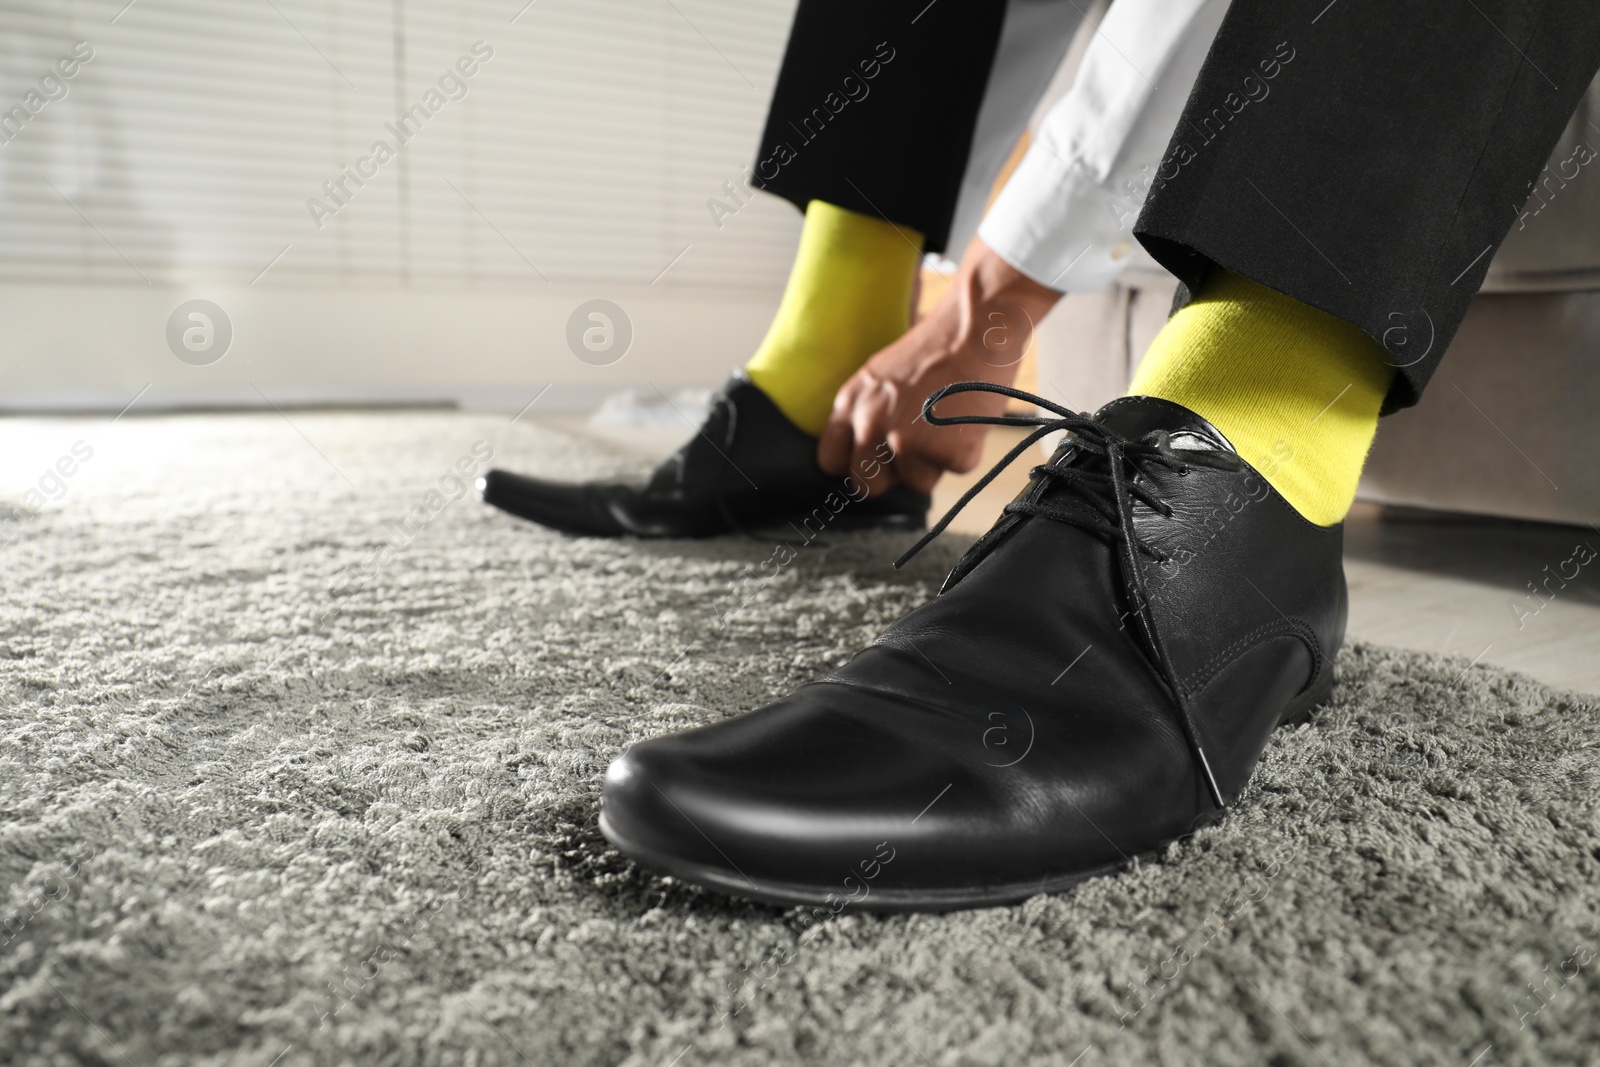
(772, 799)
(673, 806)
(843, 781)
(570, 508)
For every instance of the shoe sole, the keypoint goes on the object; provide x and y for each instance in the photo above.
(842, 523)
(777, 527)
(889, 899)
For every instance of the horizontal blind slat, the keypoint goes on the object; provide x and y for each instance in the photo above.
(192, 140)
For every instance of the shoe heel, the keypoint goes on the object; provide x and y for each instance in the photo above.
(1302, 707)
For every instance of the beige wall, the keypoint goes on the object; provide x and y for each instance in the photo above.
(96, 347)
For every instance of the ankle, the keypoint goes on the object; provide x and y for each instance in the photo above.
(848, 295)
(1296, 390)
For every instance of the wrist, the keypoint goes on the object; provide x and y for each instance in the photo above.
(991, 281)
(998, 306)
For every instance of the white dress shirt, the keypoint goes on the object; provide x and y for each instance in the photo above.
(1066, 216)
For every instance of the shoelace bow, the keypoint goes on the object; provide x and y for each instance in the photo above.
(1110, 496)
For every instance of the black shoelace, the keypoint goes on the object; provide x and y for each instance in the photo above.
(1109, 495)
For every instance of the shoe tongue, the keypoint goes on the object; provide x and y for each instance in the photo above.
(1131, 417)
(1135, 416)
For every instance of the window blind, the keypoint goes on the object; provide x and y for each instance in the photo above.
(193, 141)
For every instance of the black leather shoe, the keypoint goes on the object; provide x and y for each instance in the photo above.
(747, 468)
(1097, 678)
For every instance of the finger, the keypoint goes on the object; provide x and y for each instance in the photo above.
(868, 459)
(916, 471)
(838, 436)
(882, 480)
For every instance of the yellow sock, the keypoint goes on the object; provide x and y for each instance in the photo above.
(1295, 390)
(849, 294)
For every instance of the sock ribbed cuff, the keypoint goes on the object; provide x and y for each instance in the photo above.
(849, 294)
(1296, 390)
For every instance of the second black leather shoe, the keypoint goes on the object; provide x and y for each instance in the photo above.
(747, 467)
(1098, 677)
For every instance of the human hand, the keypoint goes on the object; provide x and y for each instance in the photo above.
(978, 331)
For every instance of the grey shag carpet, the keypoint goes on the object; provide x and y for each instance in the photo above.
(293, 773)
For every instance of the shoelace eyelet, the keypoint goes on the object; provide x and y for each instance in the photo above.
(1106, 493)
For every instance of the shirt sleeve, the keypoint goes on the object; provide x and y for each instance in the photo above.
(1065, 218)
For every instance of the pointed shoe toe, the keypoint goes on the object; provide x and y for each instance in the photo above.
(747, 468)
(583, 508)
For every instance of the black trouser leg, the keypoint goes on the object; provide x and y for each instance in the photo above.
(1367, 157)
(875, 106)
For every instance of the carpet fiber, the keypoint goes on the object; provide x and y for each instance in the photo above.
(299, 763)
